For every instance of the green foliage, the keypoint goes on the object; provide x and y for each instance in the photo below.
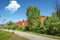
(58, 13)
(52, 25)
(11, 25)
(26, 28)
(23, 27)
(33, 16)
(33, 12)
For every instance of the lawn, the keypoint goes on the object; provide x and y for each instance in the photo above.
(10, 36)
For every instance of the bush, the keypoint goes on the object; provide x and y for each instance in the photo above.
(23, 28)
(11, 25)
(52, 25)
(26, 28)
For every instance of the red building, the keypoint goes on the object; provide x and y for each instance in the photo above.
(25, 22)
(43, 19)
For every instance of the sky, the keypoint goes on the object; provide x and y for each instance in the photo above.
(15, 10)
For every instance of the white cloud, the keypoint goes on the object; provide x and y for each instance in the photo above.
(13, 6)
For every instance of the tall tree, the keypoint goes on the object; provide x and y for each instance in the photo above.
(57, 7)
(33, 16)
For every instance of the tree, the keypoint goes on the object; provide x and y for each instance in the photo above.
(33, 16)
(58, 13)
(57, 7)
(52, 25)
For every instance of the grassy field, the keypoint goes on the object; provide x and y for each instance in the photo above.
(10, 36)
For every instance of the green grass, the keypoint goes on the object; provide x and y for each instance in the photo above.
(45, 35)
(10, 36)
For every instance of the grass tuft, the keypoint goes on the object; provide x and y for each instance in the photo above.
(10, 36)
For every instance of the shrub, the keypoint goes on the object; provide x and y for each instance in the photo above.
(26, 28)
(11, 25)
(52, 25)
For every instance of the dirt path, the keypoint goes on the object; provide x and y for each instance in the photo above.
(30, 36)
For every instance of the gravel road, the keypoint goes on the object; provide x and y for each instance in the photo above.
(30, 36)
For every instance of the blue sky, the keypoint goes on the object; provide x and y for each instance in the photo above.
(46, 8)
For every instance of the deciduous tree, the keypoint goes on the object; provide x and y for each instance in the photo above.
(33, 16)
